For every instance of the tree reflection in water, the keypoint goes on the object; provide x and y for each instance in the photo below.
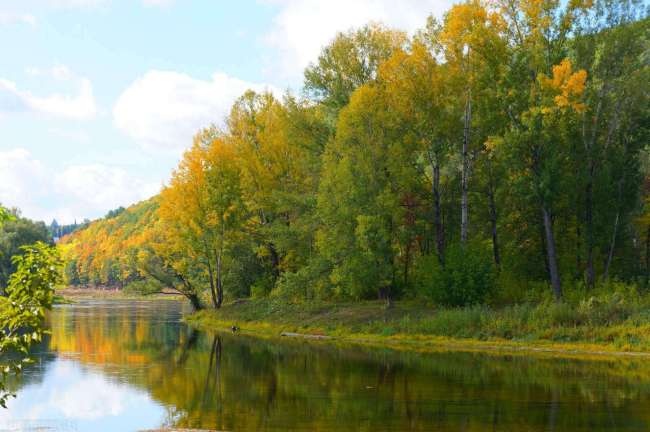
(235, 382)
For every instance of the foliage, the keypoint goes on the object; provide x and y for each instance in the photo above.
(350, 61)
(467, 278)
(104, 253)
(14, 233)
(496, 153)
(203, 209)
(5, 215)
(29, 294)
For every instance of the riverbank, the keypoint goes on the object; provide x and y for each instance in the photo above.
(70, 294)
(606, 326)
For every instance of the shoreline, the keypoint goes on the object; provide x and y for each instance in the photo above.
(323, 323)
(312, 327)
(430, 343)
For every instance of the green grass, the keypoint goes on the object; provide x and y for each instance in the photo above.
(607, 322)
(70, 295)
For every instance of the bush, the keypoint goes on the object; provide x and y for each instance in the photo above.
(308, 283)
(262, 287)
(467, 277)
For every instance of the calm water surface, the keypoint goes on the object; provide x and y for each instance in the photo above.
(130, 366)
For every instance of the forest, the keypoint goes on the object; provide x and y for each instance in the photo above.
(497, 156)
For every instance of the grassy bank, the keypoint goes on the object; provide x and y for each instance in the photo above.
(70, 294)
(604, 324)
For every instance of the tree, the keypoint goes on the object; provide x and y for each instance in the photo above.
(161, 260)
(28, 294)
(543, 99)
(202, 208)
(280, 164)
(417, 91)
(368, 188)
(14, 234)
(348, 62)
(527, 118)
(470, 40)
(610, 44)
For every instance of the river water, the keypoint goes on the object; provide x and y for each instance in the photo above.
(133, 365)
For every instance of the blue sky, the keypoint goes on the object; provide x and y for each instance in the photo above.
(98, 98)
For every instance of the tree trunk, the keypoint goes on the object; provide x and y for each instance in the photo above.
(213, 293)
(554, 273)
(437, 214)
(610, 254)
(275, 260)
(407, 263)
(219, 299)
(194, 301)
(617, 218)
(493, 216)
(544, 251)
(464, 203)
(493, 223)
(578, 274)
(589, 227)
(647, 256)
(189, 293)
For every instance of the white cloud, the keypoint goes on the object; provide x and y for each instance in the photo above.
(80, 106)
(22, 18)
(21, 177)
(163, 109)
(97, 186)
(76, 192)
(303, 27)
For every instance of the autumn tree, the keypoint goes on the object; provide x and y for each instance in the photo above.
(418, 91)
(348, 62)
(470, 40)
(279, 159)
(202, 207)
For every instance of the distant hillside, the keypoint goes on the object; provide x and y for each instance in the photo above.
(104, 251)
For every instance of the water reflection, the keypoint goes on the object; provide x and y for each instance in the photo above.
(131, 366)
(69, 397)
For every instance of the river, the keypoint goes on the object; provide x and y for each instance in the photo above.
(133, 365)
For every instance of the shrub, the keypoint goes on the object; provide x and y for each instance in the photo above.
(466, 278)
(308, 283)
(262, 287)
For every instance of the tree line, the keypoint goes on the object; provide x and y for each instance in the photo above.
(497, 152)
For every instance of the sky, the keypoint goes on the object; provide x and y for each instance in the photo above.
(99, 98)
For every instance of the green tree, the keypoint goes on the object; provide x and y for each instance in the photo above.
(14, 234)
(611, 42)
(28, 294)
(369, 189)
(351, 60)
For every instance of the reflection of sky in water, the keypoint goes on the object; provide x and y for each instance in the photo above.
(70, 398)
